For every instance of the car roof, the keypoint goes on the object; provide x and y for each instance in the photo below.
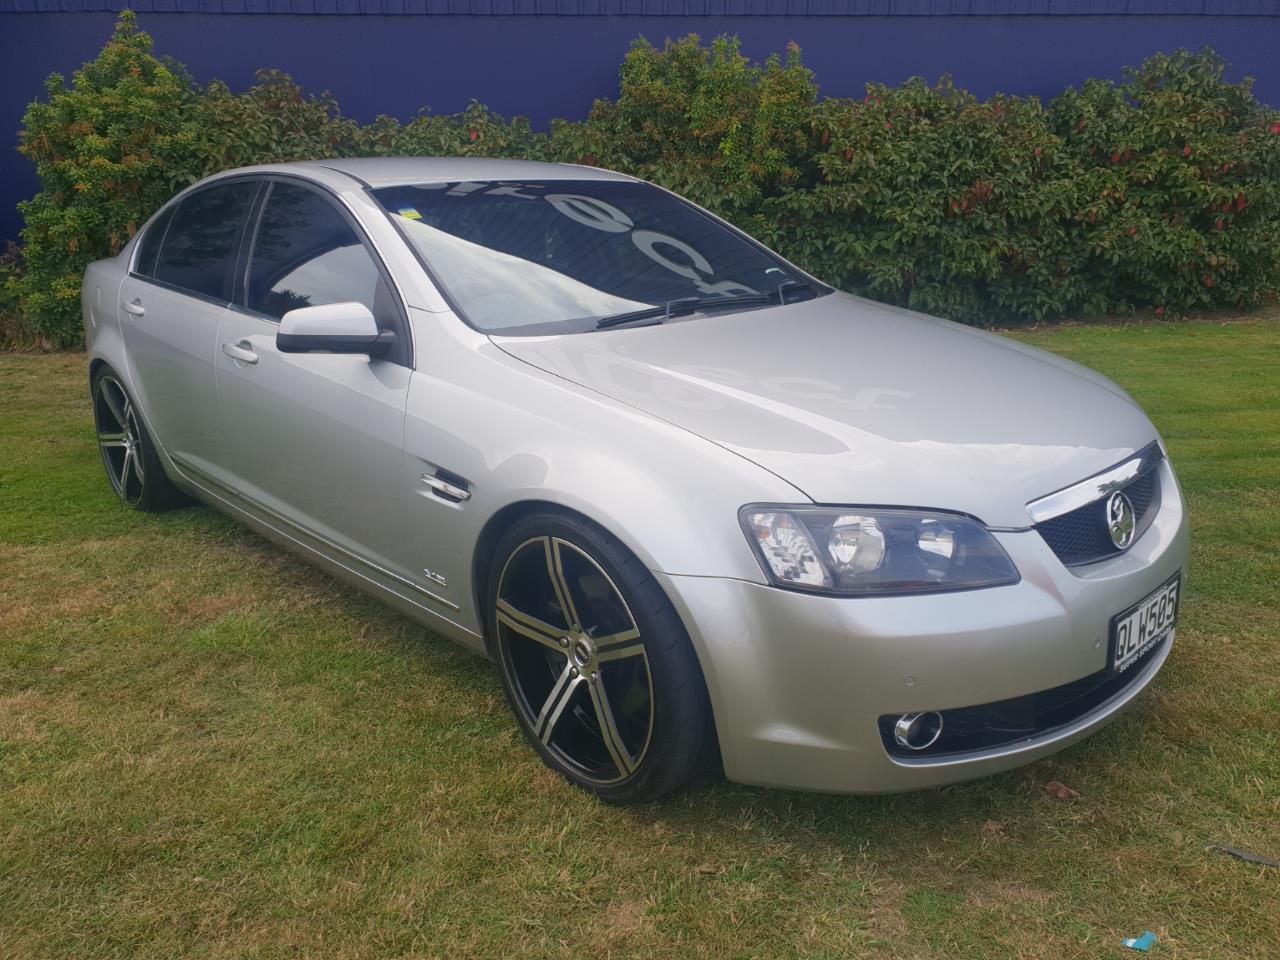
(391, 171)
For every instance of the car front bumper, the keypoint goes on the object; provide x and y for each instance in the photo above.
(798, 682)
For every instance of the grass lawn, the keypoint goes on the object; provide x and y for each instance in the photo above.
(207, 749)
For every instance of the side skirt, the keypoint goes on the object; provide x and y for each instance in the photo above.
(408, 598)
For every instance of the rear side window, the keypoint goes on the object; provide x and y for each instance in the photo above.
(149, 246)
(199, 250)
(307, 255)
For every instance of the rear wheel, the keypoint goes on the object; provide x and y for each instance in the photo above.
(595, 661)
(128, 453)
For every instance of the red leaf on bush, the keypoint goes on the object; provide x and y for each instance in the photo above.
(591, 159)
(826, 137)
(1226, 167)
(1081, 125)
(1275, 128)
(1186, 151)
(475, 135)
(1159, 311)
(1217, 224)
(1241, 202)
(1128, 155)
(848, 155)
(1037, 151)
(1133, 231)
(1115, 158)
(1208, 281)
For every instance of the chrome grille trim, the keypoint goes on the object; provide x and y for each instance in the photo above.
(1094, 488)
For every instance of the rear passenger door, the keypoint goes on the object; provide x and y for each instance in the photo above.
(171, 304)
(315, 438)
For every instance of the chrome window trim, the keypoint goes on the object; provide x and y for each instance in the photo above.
(264, 178)
(349, 214)
(1093, 489)
(172, 205)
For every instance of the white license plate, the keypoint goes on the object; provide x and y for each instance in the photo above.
(1144, 625)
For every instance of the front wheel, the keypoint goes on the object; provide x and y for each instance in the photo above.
(595, 662)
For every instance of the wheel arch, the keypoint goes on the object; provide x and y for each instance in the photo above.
(496, 526)
(96, 364)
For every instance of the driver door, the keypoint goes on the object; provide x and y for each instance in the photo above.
(316, 439)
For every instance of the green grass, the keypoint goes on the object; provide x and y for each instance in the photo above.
(207, 749)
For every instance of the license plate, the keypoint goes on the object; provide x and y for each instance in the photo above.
(1144, 625)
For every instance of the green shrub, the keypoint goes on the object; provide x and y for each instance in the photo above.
(15, 328)
(108, 150)
(476, 132)
(703, 121)
(1162, 191)
(932, 199)
(272, 122)
(1175, 193)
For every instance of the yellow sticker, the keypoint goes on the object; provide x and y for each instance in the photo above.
(409, 213)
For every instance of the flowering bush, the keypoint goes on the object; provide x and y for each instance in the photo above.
(108, 150)
(1175, 193)
(1161, 191)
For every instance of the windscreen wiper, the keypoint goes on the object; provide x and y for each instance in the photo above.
(684, 306)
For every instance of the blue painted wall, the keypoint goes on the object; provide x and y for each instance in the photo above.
(557, 57)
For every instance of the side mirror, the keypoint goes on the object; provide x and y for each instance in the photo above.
(333, 328)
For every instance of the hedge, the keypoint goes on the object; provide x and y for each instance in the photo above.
(1159, 192)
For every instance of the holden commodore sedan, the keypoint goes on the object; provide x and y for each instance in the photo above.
(697, 506)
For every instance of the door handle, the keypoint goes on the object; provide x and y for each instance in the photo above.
(134, 307)
(240, 351)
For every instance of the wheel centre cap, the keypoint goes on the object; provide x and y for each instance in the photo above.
(583, 652)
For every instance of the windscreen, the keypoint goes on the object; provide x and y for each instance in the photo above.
(557, 256)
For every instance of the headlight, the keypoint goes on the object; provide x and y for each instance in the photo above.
(861, 551)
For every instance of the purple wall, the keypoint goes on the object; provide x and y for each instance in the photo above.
(554, 66)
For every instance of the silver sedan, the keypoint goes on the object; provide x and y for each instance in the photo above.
(697, 506)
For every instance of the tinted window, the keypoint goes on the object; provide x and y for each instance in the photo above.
(555, 256)
(149, 246)
(306, 254)
(199, 250)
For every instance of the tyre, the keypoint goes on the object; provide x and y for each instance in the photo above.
(128, 452)
(595, 661)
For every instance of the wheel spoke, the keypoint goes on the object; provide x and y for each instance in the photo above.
(618, 646)
(609, 729)
(125, 469)
(558, 699)
(530, 627)
(137, 464)
(555, 568)
(113, 403)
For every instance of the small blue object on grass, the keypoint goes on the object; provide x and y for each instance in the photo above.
(1142, 943)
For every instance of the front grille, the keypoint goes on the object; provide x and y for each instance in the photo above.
(1081, 536)
(1006, 722)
